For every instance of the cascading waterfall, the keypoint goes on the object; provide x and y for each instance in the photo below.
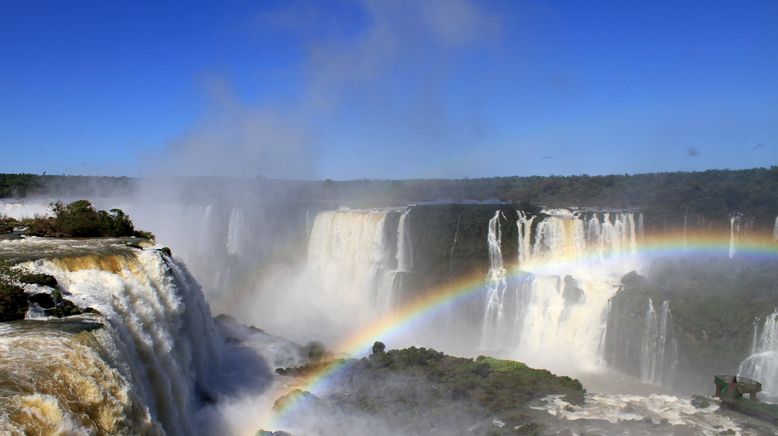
(452, 252)
(762, 364)
(159, 337)
(358, 258)
(24, 208)
(734, 233)
(775, 230)
(641, 231)
(236, 232)
(524, 242)
(404, 262)
(404, 247)
(659, 351)
(57, 382)
(493, 326)
(573, 263)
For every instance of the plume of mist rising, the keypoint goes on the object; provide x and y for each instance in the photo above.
(239, 140)
(236, 138)
(383, 79)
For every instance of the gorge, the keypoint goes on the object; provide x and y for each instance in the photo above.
(622, 301)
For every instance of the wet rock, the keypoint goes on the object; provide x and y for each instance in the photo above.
(632, 278)
(315, 351)
(700, 402)
(575, 398)
(39, 279)
(572, 293)
(13, 302)
(43, 300)
(67, 308)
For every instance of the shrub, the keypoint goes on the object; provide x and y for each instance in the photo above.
(81, 219)
(378, 347)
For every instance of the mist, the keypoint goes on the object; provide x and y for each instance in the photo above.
(392, 217)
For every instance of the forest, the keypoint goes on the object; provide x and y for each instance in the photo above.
(709, 196)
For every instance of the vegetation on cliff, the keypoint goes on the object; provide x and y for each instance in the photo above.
(714, 302)
(416, 390)
(77, 219)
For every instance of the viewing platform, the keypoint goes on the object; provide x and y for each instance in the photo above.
(730, 389)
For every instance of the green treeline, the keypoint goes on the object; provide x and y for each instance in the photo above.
(28, 185)
(707, 197)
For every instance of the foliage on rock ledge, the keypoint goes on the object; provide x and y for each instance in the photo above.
(81, 219)
(418, 390)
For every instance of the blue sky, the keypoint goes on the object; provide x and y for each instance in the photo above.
(387, 89)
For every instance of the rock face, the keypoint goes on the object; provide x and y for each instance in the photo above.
(13, 302)
(712, 305)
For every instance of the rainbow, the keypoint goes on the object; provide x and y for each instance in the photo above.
(432, 301)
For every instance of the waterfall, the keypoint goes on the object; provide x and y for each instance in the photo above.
(571, 266)
(347, 253)
(641, 231)
(159, 342)
(684, 232)
(237, 232)
(24, 208)
(404, 247)
(775, 230)
(762, 364)
(524, 241)
(452, 252)
(358, 258)
(496, 284)
(658, 355)
(734, 233)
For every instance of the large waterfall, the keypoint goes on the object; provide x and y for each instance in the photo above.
(355, 269)
(494, 329)
(23, 208)
(357, 258)
(762, 364)
(349, 258)
(149, 368)
(659, 350)
(237, 231)
(553, 313)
